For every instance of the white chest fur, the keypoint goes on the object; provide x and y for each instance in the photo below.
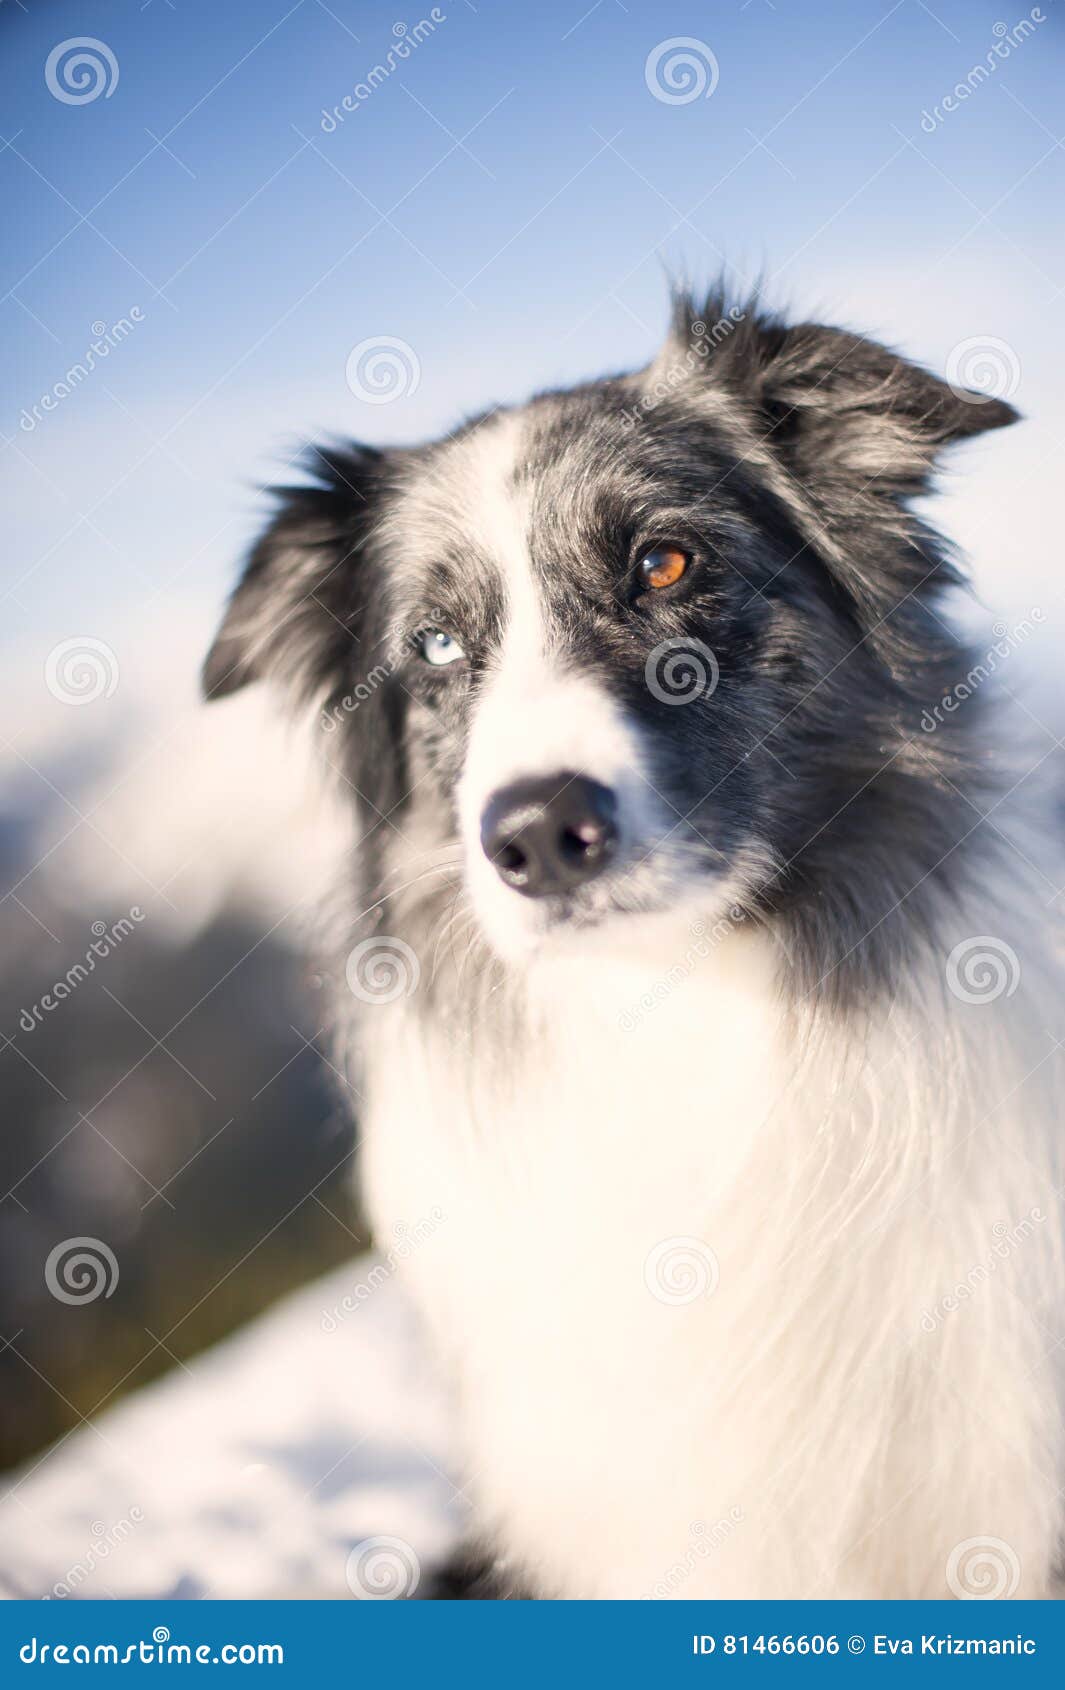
(684, 1274)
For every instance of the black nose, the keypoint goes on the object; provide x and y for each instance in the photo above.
(549, 836)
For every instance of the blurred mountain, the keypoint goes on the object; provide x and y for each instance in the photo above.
(164, 1079)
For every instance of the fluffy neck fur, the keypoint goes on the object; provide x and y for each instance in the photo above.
(836, 1178)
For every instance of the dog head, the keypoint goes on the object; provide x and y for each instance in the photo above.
(656, 643)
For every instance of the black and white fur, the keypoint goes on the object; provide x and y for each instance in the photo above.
(708, 1137)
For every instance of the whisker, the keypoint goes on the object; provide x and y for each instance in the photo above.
(397, 891)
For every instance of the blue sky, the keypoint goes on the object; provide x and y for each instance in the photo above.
(507, 202)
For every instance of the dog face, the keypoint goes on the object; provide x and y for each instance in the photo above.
(655, 644)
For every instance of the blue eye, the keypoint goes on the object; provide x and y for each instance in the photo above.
(439, 648)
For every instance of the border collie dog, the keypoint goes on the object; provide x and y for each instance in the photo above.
(702, 996)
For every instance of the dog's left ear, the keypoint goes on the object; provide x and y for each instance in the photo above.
(835, 408)
(295, 613)
(840, 406)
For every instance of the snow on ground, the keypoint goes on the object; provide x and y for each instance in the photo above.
(266, 1467)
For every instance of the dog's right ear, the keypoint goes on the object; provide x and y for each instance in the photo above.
(295, 612)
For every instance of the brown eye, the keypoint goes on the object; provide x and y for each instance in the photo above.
(663, 566)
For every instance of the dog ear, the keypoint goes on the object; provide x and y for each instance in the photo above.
(837, 409)
(295, 612)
